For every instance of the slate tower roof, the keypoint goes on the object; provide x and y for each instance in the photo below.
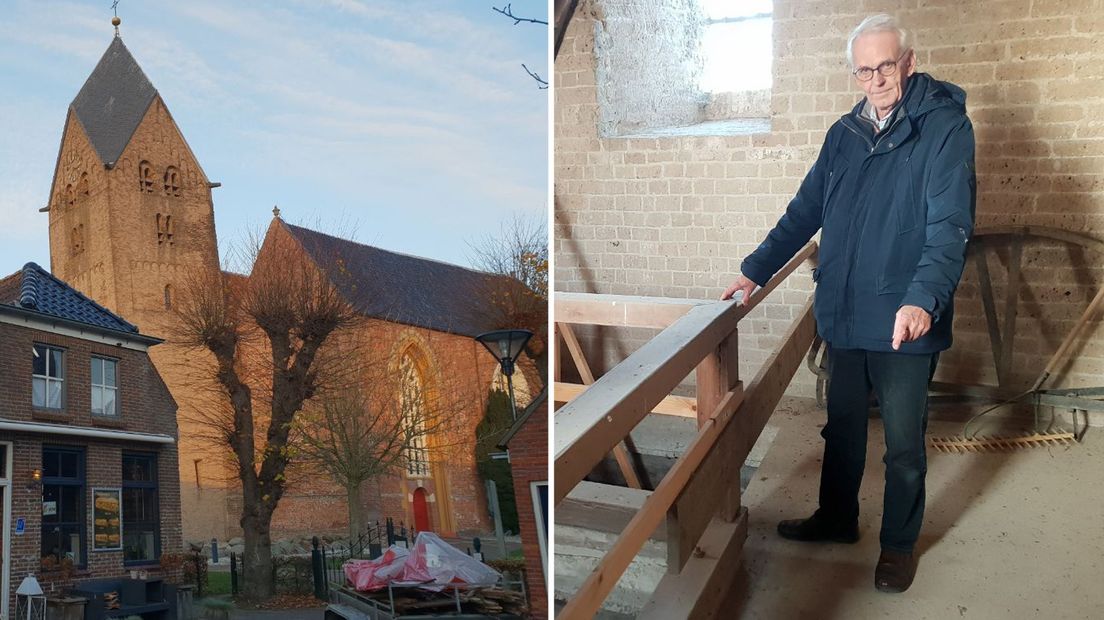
(113, 101)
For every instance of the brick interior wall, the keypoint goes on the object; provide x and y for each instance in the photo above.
(675, 216)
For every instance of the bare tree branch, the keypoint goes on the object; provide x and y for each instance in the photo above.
(508, 12)
(541, 83)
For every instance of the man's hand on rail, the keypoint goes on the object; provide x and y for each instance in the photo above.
(742, 284)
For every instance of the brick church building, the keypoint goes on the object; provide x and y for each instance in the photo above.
(131, 219)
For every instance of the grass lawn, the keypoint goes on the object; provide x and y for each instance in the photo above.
(217, 583)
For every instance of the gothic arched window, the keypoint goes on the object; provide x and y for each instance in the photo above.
(412, 402)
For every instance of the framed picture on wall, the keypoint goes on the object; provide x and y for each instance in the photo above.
(107, 519)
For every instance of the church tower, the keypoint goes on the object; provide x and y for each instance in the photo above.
(131, 222)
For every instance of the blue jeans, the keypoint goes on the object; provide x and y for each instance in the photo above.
(900, 381)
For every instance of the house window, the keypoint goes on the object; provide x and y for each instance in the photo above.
(48, 378)
(412, 401)
(172, 182)
(141, 517)
(63, 506)
(105, 387)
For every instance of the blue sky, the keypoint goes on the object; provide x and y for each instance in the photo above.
(407, 125)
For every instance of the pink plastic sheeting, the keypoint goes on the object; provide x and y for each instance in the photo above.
(433, 564)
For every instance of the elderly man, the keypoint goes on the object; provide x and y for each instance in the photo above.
(893, 193)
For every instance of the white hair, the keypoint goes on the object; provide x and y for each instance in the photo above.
(877, 23)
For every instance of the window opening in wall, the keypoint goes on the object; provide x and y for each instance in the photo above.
(736, 46)
(63, 507)
(145, 177)
(83, 187)
(168, 297)
(169, 229)
(105, 387)
(172, 182)
(141, 517)
(48, 378)
(70, 196)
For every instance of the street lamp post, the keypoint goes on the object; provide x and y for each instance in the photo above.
(506, 345)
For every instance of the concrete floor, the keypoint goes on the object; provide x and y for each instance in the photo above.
(1010, 535)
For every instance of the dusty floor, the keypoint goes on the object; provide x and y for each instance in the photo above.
(1014, 535)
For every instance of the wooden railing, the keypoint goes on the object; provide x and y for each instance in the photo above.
(699, 498)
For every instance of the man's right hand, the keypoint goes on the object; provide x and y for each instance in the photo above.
(742, 284)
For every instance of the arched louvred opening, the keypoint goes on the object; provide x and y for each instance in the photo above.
(172, 181)
(160, 229)
(145, 177)
(168, 297)
(169, 229)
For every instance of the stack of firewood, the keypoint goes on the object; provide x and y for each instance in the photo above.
(495, 601)
(111, 600)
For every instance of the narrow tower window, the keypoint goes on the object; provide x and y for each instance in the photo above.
(82, 189)
(160, 230)
(70, 197)
(145, 177)
(169, 229)
(172, 182)
(168, 297)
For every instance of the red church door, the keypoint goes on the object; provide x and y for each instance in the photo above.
(421, 510)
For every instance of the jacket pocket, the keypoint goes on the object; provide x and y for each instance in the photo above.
(834, 177)
(894, 282)
(907, 203)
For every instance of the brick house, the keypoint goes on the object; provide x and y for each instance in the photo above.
(88, 440)
(132, 221)
(527, 442)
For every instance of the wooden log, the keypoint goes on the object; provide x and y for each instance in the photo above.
(1011, 308)
(985, 284)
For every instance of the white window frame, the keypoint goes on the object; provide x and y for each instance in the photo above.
(5, 522)
(47, 379)
(534, 491)
(103, 387)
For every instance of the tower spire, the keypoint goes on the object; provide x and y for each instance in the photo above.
(115, 21)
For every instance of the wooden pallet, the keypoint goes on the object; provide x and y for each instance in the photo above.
(961, 445)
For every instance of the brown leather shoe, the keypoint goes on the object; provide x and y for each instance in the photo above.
(895, 571)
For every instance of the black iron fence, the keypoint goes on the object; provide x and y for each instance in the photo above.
(316, 572)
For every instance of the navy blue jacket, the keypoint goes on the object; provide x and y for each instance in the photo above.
(896, 211)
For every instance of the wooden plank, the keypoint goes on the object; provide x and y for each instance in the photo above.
(620, 452)
(1057, 234)
(767, 386)
(587, 428)
(715, 488)
(700, 588)
(597, 586)
(576, 351)
(681, 406)
(557, 354)
(621, 310)
(603, 508)
(717, 375)
(1060, 355)
(985, 284)
(1011, 308)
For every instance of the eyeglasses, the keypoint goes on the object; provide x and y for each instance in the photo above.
(887, 68)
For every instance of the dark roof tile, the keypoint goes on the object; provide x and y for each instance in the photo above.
(406, 289)
(113, 101)
(35, 289)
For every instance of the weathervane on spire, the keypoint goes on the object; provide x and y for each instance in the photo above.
(115, 21)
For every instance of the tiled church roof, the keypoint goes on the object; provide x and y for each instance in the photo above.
(406, 289)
